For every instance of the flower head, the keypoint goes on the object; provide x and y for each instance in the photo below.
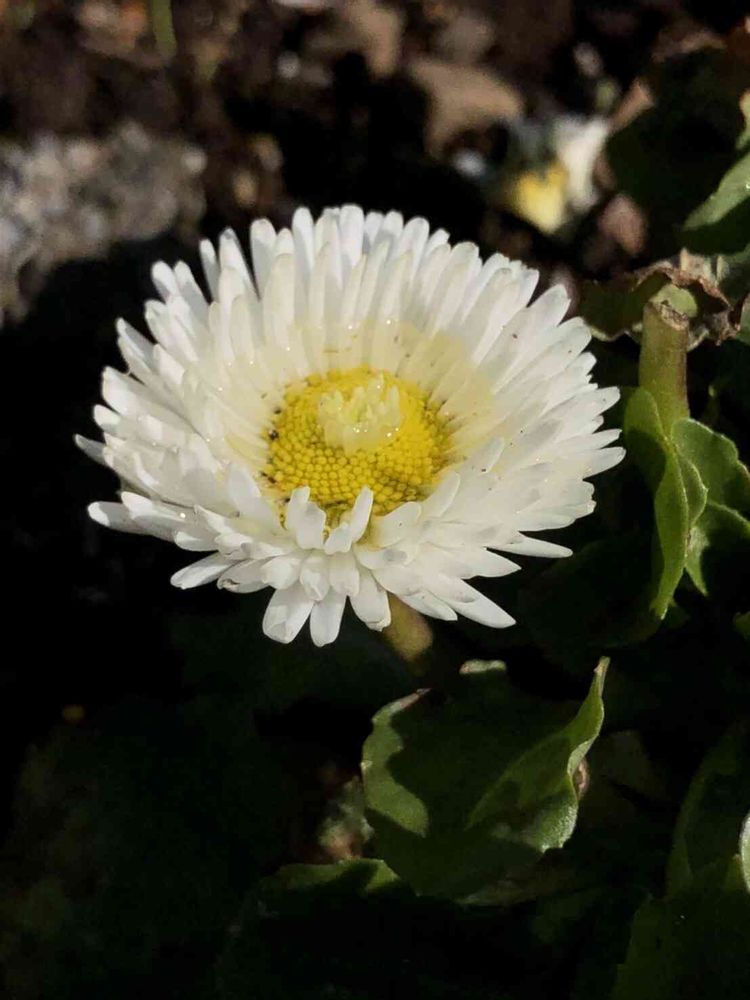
(370, 411)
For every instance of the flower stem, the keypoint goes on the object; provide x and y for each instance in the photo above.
(409, 633)
(432, 664)
(662, 368)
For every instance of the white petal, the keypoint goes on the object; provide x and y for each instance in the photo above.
(94, 449)
(314, 575)
(305, 520)
(114, 515)
(391, 528)
(344, 573)
(354, 524)
(203, 571)
(438, 502)
(287, 612)
(244, 578)
(471, 604)
(262, 239)
(370, 604)
(427, 604)
(243, 490)
(282, 571)
(325, 619)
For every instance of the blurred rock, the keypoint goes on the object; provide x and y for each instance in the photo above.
(308, 6)
(64, 199)
(529, 33)
(463, 97)
(466, 39)
(624, 222)
(113, 28)
(365, 26)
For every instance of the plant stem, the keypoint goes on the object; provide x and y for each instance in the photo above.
(662, 368)
(432, 664)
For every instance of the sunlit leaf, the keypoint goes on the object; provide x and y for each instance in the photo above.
(716, 458)
(719, 551)
(675, 506)
(583, 605)
(722, 223)
(674, 154)
(460, 791)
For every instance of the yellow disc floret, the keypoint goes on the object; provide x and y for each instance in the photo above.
(349, 429)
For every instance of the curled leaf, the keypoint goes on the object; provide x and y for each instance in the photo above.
(460, 791)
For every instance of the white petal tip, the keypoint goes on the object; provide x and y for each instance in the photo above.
(97, 513)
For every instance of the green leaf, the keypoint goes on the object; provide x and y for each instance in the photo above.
(714, 809)
(615, 307)
(333, 882)
(695, 943)
(722, 223)
(696, 493)
(675, 504)
(358, 672)
(674, 154)
(461, 791)
(580, 606)
(719, 558)
(717, 461)
(353, 931)
(139, 838)
(742, 625)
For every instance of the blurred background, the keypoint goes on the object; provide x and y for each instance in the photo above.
(129, 129)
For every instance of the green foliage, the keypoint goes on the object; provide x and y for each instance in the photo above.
(144, 834)
(714, 810)
(695, 942)
(672, 488)
(671, 157)
(719, 553)
(717, 461)
(579, 607)
(719, 559)
(572, 617)
(722, 223)
(216, 657)
(461, 792)
(616, 307)
(353, 931)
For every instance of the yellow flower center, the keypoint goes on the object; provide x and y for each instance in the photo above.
(349, 429)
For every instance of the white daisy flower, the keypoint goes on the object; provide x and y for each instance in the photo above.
(371, 411)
